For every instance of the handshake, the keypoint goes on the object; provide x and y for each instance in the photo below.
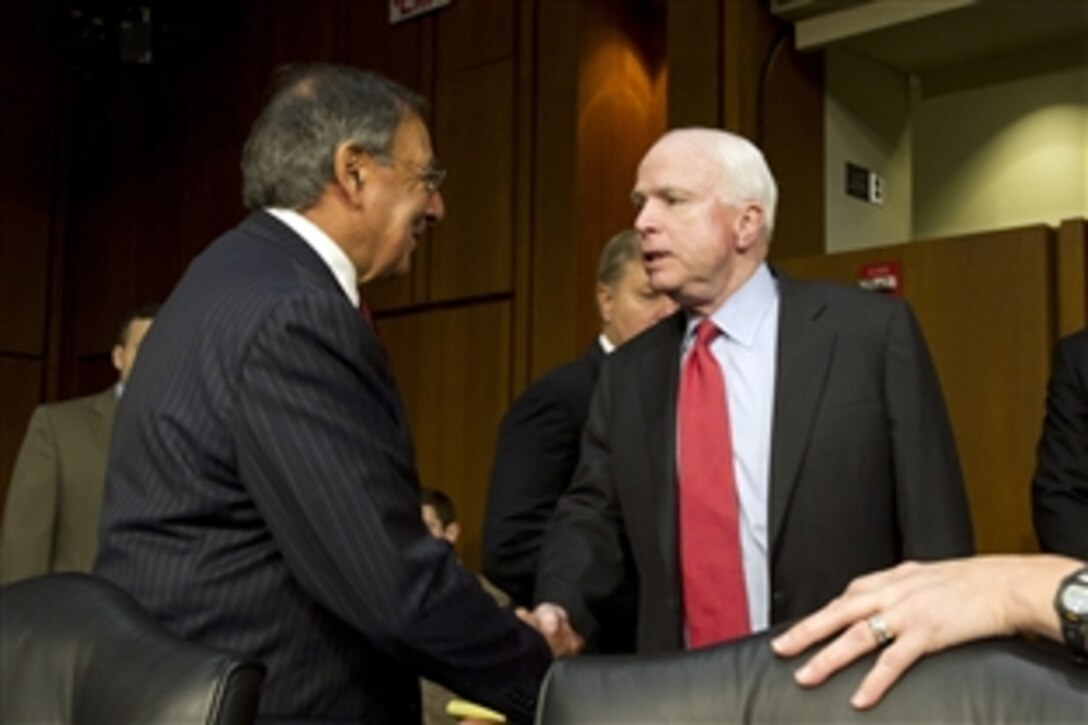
(553, 624)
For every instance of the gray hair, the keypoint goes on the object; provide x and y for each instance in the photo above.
(313, 109)
(617, 252)
(745, 175)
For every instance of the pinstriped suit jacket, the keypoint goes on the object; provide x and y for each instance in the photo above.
(261, 496)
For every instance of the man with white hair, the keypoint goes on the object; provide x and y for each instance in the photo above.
(758, 449)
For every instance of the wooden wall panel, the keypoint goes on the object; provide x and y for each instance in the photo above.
(790, 130)
(984, 302)
(553, 292)
(1071, 272)
(471, 34)
(472, 253)
(27, 158)
(694, 31)
(621, 113)
(453, 370)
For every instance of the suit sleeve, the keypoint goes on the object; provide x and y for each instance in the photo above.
(31, 510)
(934, 517)
(582, 563)
(535, 457)
(324, 448)
(1060, 485)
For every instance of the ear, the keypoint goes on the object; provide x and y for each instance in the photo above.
(117, 357)
(749, 225)
(604, 302)
(349, 170)
(453, 532)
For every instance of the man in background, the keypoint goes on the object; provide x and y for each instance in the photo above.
(756, 451)
(262, 493)
(440, 516)
(538, 443)
(1060, 485)
(55, 494)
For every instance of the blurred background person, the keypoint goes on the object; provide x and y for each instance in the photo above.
(1060, 485)
(440, 516)
(55, 494)
(539, 440)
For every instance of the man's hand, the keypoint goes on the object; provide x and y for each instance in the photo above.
(552, 622)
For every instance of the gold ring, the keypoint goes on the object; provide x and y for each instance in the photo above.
(880, 630)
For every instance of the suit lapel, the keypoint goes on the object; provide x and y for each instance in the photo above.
(659, 374)
(804, 354)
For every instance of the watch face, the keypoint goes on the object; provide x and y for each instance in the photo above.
(1075, 599)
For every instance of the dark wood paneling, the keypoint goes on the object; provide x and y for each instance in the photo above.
(472, 252)
(790, 130)
(453, 369)
(621, 113)
(554, 288)
(985, 304)
(694, 31)
(1072, 269)
(27, 158)
(471, 34)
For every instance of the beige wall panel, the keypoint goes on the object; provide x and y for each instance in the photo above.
(453, 369)
(984, 304)
(472, 252)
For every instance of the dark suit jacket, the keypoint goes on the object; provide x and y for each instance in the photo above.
(51, 516)
(864, 471)
(535, 457)
(261, 496)
(1060, 486)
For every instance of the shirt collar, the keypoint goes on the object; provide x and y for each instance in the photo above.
(739, 316)
(607, 345)
(323, 245)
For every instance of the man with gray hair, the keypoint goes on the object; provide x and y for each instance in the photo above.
(261, 494)
(754, 452)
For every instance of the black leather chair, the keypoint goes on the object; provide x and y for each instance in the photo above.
(75, 648)
(996, 681)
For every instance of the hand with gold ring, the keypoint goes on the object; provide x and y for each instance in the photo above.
(917, 609)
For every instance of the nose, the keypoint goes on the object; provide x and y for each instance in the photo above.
(435, 210)
(644, 220)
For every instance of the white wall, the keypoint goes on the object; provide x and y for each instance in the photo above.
(1001, 152)
(995, 144)
(867, 122)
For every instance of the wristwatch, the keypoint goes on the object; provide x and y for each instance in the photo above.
(1071, 603)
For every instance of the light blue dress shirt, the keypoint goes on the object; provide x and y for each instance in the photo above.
(746, 352)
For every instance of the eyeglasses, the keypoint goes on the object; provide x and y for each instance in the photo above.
(431, 176)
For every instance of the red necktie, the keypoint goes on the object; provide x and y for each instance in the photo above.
(368, 317)
(715, 594)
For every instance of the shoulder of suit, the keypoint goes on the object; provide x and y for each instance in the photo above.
(1074, 342)
(822, 296)
(84, 402)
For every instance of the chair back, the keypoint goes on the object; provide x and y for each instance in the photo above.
(75, 648)
(994, 681)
